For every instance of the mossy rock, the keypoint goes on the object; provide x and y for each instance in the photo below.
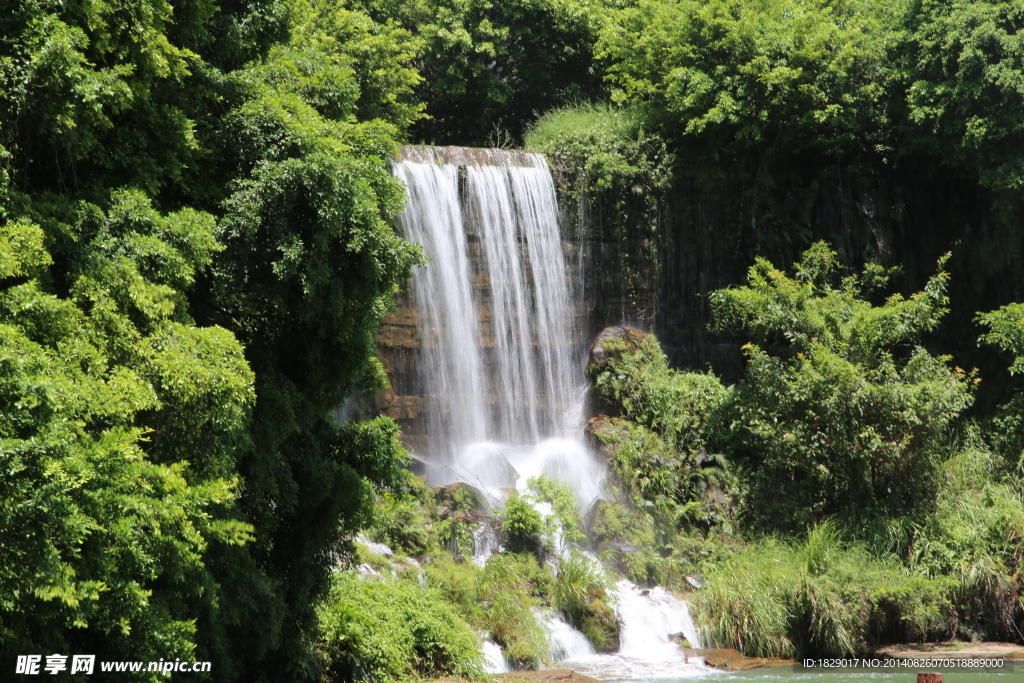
(460, 497)
(611, 342)
(600, 625)
(603, 434)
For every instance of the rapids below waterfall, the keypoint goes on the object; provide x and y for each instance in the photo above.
(652, 621)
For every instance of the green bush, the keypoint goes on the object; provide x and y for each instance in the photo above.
(840, 410)
(563, 503)
(523, 525)
(373, 630)
(457, 582)
(400, 518)
(581, 595)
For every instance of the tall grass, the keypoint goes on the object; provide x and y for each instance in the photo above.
(823, 595)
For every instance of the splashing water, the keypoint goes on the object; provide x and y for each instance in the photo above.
(494, 659)
(564, 642)
(651, 623)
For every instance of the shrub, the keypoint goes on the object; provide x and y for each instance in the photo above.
(523, 525)
(457, 582)
(840, 411)
(563, 502)
(400, 520)
(374, 630)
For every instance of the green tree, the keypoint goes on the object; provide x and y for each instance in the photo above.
(961, 68)
(1006, 332)
(800, 75)
(214, 200)
(488, 67)
(840, 410)
(120, 421)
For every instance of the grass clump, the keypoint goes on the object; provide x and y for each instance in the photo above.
(777, 599)
(499, 599)
(373, 630)
(976, 538)
(581, 595)
(510, 588)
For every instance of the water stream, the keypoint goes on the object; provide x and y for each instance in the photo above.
(652, 624)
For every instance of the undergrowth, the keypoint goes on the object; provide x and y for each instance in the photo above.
(375, 630)
(824, 596)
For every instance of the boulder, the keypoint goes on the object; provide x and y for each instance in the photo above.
(460, 497)
(599, 351)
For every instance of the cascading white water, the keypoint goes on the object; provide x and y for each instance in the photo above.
(650, 619)
(494, 659)
(651, 624)
(564, 642)
(498, 361)
(453, 368)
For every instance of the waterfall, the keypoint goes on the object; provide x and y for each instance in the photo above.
(499, 359)
(494, 659)
(452, 365)
(565, 643)
(650, 619)
(501, 369)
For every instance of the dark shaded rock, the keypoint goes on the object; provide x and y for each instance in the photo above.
(418, 466)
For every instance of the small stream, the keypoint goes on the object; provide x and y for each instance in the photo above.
(652, 622)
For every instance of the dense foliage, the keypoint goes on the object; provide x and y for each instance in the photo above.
(874, 513)
(197, 250)
(393, 631)
(841, 410)
(120, 426)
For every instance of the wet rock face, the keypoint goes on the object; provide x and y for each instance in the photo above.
(600, 353)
